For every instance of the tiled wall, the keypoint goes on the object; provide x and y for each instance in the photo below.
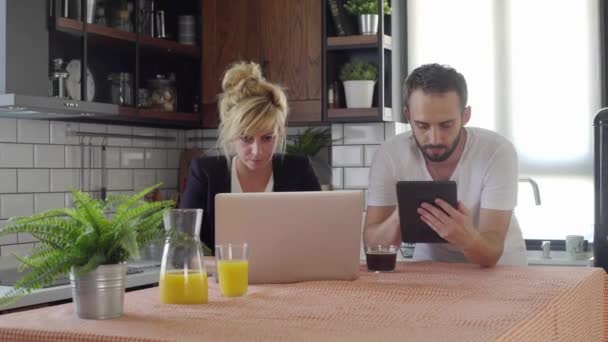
(39, 160)
(353, 151)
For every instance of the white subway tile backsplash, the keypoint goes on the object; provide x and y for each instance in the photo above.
(197, 133)
(173, 158)
(143, 178)
(347, 155)
(364, 133)
(120, 179)
(173, 134)
(356, 177)
(123, 142)
(73, 156)
(21, 250)
(181, 139)
(16, 205)
(210, 133)
(25, 238)
(44, 202)
(52, 156)
(208, 144)
(156, 158)
(161, 132)
(147, 131)
(63, 179)
(369, 152)
(9, 238)
(94, 128)
(33, 180)
(132, 158)
(337, 134)
(8, 130)
(94, 152)
(168, 178)
(8, 181)
(336, 178)
(113, 157)
(16, 155)
(33, 131)
(60, 130)
(92, 180)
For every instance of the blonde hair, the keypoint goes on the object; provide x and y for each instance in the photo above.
(249, 104)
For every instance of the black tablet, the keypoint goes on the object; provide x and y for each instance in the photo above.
(410, 195)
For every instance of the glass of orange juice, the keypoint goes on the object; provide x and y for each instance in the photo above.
(232, 268)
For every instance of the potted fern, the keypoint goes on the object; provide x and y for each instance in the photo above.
(308, 143)
(91, 242)
(359, 78)
(367, 14)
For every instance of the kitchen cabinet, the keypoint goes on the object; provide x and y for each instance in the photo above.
(386, 50)
(284, 37)
(108, 50)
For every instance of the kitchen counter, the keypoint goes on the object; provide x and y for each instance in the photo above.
(149, 276)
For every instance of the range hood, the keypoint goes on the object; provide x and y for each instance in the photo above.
(38, 107)
(24, 68)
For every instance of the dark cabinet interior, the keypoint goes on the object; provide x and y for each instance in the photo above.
(126, 57)
(284, 37)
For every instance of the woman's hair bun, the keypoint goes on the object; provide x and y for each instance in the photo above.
(242, 75)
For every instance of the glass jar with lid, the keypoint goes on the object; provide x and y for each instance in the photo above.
(121, 88)
(163, 94)
(58, 80)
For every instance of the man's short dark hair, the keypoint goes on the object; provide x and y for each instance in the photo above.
(435, 79)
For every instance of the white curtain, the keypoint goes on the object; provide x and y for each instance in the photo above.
(532, 67)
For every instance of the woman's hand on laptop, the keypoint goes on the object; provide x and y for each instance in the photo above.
(455, 225)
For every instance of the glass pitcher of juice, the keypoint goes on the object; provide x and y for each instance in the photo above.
(183, 278)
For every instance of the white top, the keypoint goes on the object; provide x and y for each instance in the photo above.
(235, 184)
(486, 177)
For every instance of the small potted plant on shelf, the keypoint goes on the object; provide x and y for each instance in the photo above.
(91, 242)
(309, 143)
(359, 78)
(367, 14)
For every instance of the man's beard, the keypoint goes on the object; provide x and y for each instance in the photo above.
(442, 157)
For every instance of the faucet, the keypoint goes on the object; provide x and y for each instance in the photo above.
(534, 188)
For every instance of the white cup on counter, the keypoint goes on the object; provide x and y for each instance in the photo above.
(574, 246)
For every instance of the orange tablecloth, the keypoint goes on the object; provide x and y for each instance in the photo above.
(420, 302)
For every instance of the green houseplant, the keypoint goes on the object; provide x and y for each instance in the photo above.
(94, 236)
(367, 14)
(309, 143)
(361, 7)
(359, 78)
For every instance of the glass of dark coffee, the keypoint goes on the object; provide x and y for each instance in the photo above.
(381, 258)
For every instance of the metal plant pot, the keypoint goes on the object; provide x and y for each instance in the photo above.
(368, 23)
(99, 294)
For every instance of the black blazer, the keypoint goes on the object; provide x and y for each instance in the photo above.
(210, 176)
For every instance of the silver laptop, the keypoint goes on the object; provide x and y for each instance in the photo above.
(294, 236)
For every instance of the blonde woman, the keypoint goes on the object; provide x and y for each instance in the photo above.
(252, 134)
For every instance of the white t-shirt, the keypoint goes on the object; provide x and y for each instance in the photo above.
(486, 177)
(235, 184)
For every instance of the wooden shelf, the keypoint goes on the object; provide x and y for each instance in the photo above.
(343, 113)
(165, 45)
(170, 46)
(67, 24)
(111, 33)
(357, 42)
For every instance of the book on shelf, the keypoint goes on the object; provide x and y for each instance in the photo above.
(343, 23)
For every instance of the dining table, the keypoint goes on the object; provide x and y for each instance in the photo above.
(419, 301)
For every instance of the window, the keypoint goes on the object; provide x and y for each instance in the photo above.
(533, 73)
